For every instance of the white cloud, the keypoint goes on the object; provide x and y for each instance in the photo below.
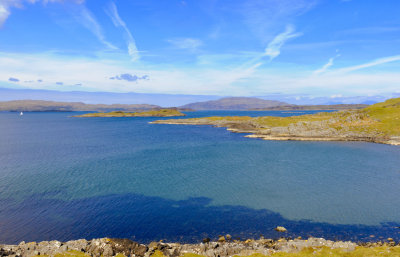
(186, 43)
(118, 22)
(327, 65)
(250, 80)
(370, 64)
(7, 5)
(274, 47)
(4, 13)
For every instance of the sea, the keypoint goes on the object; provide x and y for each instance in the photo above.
(65, 178)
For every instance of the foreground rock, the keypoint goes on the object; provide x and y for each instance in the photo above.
(111, 247)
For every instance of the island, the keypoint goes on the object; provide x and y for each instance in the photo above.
(379, 123)
(151, 113)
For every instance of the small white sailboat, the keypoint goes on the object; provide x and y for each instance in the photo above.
(21, 113)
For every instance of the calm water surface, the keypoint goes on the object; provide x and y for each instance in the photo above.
(67, 178)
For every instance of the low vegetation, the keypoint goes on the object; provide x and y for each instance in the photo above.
(376, 123)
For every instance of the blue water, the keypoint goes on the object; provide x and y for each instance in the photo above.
(67, 178)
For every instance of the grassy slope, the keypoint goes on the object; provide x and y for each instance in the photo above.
(382, 119)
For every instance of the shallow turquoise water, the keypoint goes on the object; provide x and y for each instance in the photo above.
(65, 178)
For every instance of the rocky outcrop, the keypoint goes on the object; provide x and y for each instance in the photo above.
(345, 126)
(107, 247)
(97, 247)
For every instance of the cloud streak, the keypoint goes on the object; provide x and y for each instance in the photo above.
(327, 65)
(83, 15)
(186, 43)
(273, 49)
(118, 22)
(87, 19)
(264, 16)
(369, 64)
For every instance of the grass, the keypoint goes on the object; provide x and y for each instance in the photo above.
(387, 115)
(381, 119)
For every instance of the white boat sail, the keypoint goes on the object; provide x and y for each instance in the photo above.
(21, 113)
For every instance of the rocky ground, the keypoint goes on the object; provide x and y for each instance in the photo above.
(223, 247)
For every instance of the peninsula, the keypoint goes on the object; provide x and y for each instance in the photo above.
(379, 123)
(150, 113)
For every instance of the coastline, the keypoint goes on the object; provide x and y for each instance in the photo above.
(267, 135)
(378, 123)
(223, 247)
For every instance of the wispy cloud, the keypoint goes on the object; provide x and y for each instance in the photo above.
(4, 13)
(186, 43)
(83, 15)
(247, 81)
(7, 5)
(87, 19)
(327, 65)
(265, 16)
(273, 49)
(118, 22)
(370, 64)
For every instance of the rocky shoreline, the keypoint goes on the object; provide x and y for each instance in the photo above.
(296, 132)
(224, 246)
(378, 123)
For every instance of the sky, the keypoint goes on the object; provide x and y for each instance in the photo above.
(322, 48)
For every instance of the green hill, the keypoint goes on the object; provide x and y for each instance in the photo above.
(377, 123)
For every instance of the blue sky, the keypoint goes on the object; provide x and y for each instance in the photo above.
(329, 48)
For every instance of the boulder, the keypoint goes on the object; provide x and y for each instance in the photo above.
(281, 229)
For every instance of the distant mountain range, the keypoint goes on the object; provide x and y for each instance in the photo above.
(293, 107)
(234, 103)
(257, 104)
(171, 100)
(43, 106)
(228, 103)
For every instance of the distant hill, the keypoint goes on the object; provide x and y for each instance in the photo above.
(43, 106)
(293, 107)
(234, 103)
